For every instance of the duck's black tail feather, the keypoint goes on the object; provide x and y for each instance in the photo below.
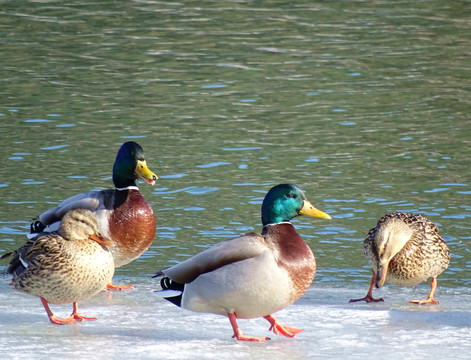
(37, 226)
(171, 291)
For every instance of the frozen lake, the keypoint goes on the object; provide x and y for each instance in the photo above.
(139, 325)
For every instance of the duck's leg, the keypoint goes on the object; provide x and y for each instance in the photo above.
(430, 299)
(72, 319)
(111, 286)
(79, 317)
(238, 333)
(369, 297)
(280, 329)
(53, 319)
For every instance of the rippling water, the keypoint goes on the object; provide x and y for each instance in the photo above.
(365, 105)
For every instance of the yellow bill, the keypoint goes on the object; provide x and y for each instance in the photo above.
(309, 210)
(143, 172)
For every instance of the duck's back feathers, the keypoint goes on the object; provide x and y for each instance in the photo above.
(417, 223)
(210, 260)
(217, 256)
(94, 201)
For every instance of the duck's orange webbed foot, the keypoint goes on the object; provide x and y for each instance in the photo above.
(238, 333)
(429, 300)
(240, 336)
(280, 329)
(72, 319)
(79, 317)
(423, 302)
(111, 286)
(61, 321)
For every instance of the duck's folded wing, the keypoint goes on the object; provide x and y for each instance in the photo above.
(92, 201)
(217, 256)
(26, 254)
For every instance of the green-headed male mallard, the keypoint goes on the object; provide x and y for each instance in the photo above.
(253, 275)
(405, 250)
(66, 266)
(123, 214)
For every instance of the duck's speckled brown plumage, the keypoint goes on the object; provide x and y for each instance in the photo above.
(411, 250)
(425, 255)
(66, 266)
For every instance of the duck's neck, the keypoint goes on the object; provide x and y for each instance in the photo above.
(132, 187)
(123, 183)
(276, 223)
(266, 227)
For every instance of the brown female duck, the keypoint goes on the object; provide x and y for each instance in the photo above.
(66, 266)
(405, 249)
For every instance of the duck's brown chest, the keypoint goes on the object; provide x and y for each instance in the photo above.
(131, 225)
(294, 255)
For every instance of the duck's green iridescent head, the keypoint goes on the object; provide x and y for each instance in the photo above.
(286, 201)
(130, 165)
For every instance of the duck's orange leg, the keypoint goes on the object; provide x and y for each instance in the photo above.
(53, 319)
(79, 317)
(72, 319)
(238, 333)
(369, 297)
(280, 329)
(430, 299)
(111, 286)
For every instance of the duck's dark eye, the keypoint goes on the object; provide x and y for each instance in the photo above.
(289, 196)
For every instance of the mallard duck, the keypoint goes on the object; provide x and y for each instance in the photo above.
(253, 275)
(66, 266)
(405, 250)
(123, 214)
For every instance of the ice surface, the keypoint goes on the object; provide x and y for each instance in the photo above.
(139, 325)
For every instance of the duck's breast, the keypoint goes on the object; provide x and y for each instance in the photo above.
(132, 226)
(293, 255)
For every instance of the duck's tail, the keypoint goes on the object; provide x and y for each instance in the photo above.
(170, 290)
